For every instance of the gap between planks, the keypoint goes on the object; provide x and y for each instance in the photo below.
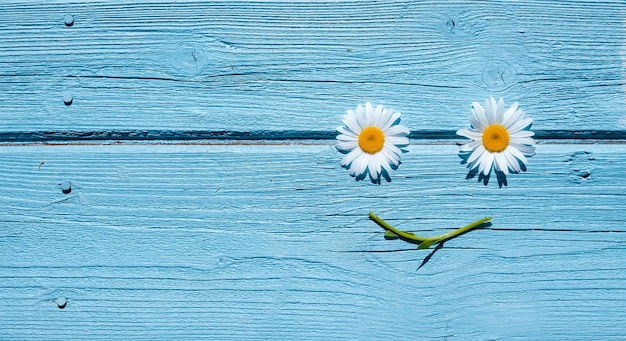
(254, 137)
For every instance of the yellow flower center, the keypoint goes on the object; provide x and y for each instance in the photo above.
(495, 138)
(371, 140)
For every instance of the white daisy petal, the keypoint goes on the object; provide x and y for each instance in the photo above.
(381, 153)
(502, 163)
(470, 146)
(486, 163)
(377, 114)
(496, 166)
(492, 106)
(350, 157)
(475, 123)
(360, 110)
(526, 150)
(386, 166)
(481, 164)
(473, 165)
(511, 115)
(500, 111)
(359, 166)
(345, 137)
(350, 121)
(522, 133)
(362, 119)
(511, 160)
(481, 117)
(392, 149)
(523, 140)
(520, 125)
(397, 130)
(470, 134)
(397, 140)
(478, 152)
(374, 167)
(370, 113)
(383, 117)
(346, 132)
(391, 120)
(517, 154)
(347, 145)
(393, 158)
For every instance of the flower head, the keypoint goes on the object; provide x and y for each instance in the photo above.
(501, 140)
(371, 139)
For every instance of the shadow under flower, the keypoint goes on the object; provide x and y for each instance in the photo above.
(500, 176)
(383, 174)
(440, 244)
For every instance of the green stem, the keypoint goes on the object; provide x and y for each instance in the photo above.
(463, 229)
(426, 242)
(400, 233)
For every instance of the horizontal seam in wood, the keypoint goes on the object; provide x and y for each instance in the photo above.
(269, 135)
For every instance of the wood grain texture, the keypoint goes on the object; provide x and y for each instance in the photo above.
(298, 65)
(273, 242)
(269, 239)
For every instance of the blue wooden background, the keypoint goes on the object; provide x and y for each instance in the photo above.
(168, 171)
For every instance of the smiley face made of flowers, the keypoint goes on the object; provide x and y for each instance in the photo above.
(372, 139)
(501, 141)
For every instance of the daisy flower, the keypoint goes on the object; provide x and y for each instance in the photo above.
(501, 140)
(371, 139)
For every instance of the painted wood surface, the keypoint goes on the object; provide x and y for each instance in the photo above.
(273, 242)
(236, 222)
(298, 65)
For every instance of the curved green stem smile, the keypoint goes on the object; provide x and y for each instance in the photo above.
(424, 242)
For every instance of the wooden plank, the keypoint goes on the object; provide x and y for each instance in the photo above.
(298, 65)
(273, 242)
